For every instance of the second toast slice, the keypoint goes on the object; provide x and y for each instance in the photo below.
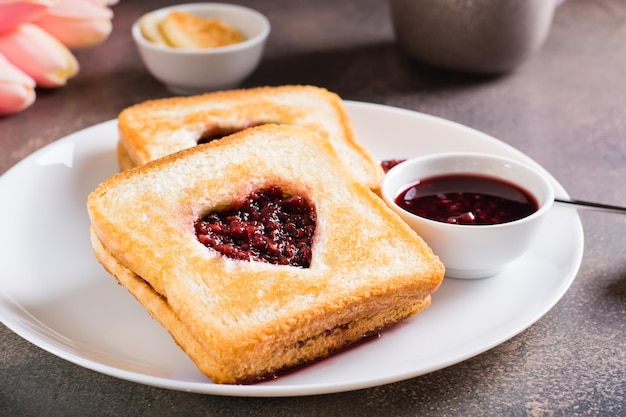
(156, 128)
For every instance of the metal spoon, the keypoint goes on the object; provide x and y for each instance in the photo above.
(591, 206)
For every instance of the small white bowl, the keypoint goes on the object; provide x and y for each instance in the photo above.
(194, 71)
(472, 251)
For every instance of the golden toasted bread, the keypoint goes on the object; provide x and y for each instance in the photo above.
(244, 320)
(156, 128)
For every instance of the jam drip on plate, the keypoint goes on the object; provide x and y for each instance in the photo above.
(387, 164)
(267, 226)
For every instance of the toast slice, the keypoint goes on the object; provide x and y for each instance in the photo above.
(243, 321)
(156, 128)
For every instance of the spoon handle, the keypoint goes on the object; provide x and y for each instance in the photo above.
(591, 205)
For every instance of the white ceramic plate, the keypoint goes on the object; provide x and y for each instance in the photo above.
(54, 294)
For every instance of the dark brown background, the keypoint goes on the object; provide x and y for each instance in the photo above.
(565, 107)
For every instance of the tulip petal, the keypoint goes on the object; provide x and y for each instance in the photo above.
(39, 55)
(104, 2)
(80, 9)
(75, 33)
(13, 13)
(14, 98)
(77, 23)
(17, 90)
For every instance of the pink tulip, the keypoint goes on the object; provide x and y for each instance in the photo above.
(13, 12)
(77, 23)
(35, 37)
(39, 55)
(17, 90)
(104, 2)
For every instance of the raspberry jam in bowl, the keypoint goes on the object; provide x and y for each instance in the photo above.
(478, 212)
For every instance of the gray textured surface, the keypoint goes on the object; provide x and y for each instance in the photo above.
(565, 107)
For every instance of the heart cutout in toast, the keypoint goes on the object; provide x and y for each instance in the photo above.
(267, 226)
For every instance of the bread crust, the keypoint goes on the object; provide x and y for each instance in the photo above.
(242, 321)
(273, 363)
(156, 128)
